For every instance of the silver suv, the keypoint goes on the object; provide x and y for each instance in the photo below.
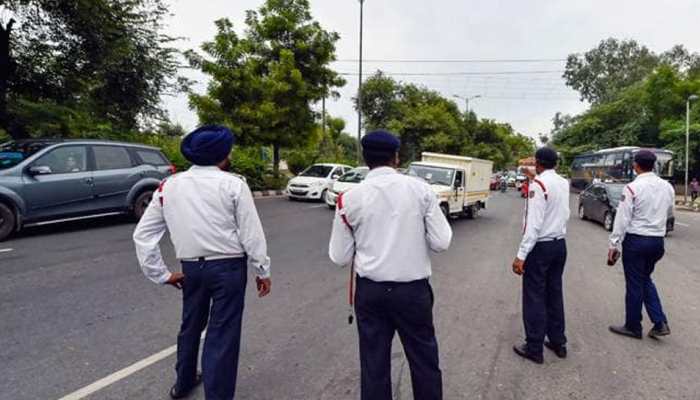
(47, 181)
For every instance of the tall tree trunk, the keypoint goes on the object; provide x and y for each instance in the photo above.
(5, 70)
(276, 160)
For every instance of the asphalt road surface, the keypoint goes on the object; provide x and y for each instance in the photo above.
(75, 309)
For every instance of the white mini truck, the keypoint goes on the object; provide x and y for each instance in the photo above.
(460, 183)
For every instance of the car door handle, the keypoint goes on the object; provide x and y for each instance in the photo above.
(89, 181)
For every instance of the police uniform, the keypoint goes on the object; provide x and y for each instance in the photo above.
(216, 231)
(640, 227)
(543, 249)
(387, 226)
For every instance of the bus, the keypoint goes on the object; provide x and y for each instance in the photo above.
(615, 165)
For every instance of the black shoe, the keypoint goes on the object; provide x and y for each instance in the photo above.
(659, 330)
(558, 349)
(523, 352)
(177, 393)
(624, 331)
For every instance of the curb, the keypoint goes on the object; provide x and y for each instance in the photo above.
(684, 207)
(268, 193)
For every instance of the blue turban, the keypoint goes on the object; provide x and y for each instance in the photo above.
(207, 145)
(379, 145)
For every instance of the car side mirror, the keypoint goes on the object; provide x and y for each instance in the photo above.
(604, 197)
(39, 170)
(335, 176)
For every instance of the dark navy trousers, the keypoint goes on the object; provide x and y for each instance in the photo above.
(383, 308)
(543, 296)
(639, 257)
(213, 294)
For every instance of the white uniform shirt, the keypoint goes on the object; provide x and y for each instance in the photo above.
(396, 220)
(644, 208)
(546, 211)
(209, 213)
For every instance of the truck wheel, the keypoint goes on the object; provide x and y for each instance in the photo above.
(473, 211)
(141, 204)
(8, 220)
(445, 210)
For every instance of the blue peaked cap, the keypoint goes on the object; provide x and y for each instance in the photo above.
(380, 143)
(208, 145)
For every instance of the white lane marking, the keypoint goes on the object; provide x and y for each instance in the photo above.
(121, 374)
(318, 206)
(682, 224)
(6, 250)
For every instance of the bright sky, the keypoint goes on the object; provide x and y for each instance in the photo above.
(464, 30)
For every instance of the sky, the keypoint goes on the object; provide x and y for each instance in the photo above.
(524, 94)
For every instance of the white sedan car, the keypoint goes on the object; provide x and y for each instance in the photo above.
(345, 183)
(314, 182)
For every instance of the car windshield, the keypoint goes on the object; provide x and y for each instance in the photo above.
(432, 175)
(13, 153)
(354, 176)
(317, 171)
(615, 192)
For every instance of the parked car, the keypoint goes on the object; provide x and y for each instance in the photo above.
(599, 203)
(313, 183)
(495, 182)
(346, 182)
(47, 181)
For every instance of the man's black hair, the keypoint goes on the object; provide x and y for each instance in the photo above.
(378, 159)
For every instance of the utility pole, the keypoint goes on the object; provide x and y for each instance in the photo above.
(466, 101)
(359, 92)
(692, 97)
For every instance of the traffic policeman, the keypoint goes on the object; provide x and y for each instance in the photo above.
(541, 259)
(640, 226)
(216, 231)
(386, 227)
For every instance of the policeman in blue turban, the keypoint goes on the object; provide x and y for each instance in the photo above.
(216, 232)
(386, 228)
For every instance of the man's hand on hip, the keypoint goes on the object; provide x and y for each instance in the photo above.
(264, 286)
(177, 279)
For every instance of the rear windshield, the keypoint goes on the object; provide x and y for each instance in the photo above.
(13, 153)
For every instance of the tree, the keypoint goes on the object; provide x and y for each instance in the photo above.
(264, 84)
(105, 59)
(603, 71)
(426, 121)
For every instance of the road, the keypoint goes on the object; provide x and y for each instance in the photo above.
(75, 309)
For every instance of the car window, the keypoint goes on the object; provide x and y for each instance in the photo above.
(13, 153)
(354, 175)
(111, 157)
(151, 157)
(64, 160)
(317, 171)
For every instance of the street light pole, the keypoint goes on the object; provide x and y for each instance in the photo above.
(692, 97)
(359, 91)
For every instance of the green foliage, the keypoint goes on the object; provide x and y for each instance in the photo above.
(263, 85)
(601, 72)
(101, 63)
(426, 121)
(644, 110)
